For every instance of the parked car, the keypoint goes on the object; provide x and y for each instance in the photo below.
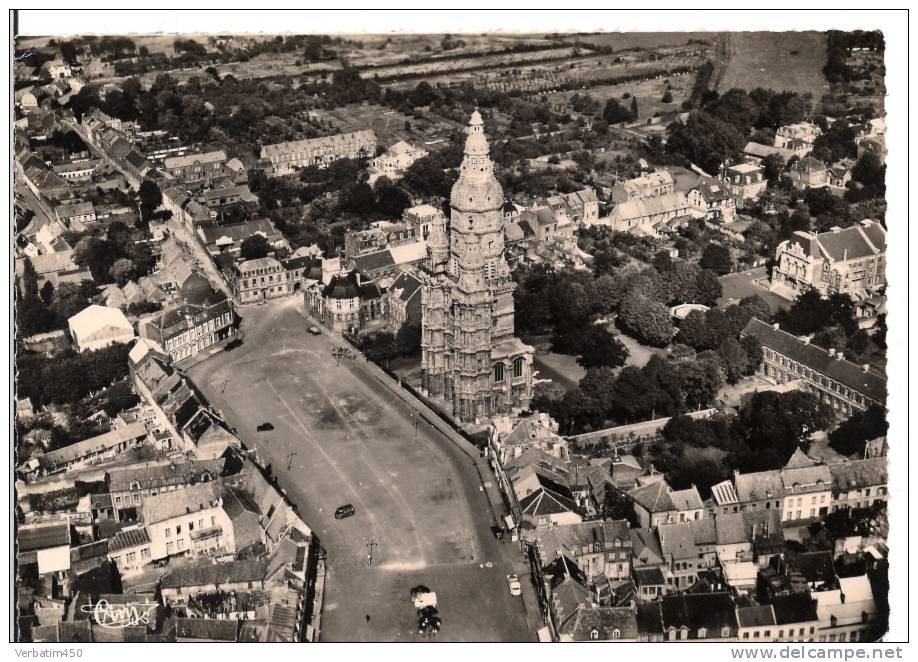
(314, 331)
(265, 427)
(514, 583)
(345, 511)
(232, 344)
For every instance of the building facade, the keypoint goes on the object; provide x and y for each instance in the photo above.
(259, 280)
(286, 157)
(469, 354)
(187, 329)
(851, 260)
(843, 385)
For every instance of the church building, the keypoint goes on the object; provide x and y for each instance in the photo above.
(470, 356)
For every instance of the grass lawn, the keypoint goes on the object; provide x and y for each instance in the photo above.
(791, 61)
(638, 354)
(740, 285)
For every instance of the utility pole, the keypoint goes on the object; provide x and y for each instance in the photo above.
(370, 546)
(290, 457)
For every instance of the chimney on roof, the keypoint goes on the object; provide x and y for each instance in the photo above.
(831, 351)
(776, 326)
(805, 339)
(866, 367)
(840, 356)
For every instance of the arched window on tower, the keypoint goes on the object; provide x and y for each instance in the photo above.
(498, 373)
(518, 365)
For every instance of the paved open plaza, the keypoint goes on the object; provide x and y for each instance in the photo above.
(341, 437)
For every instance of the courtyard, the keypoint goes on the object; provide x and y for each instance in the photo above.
(341, 437)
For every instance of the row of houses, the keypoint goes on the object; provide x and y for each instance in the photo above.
(285, 158)
(248, 562)
(734, 542)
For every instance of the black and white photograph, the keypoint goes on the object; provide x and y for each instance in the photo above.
(525, 326)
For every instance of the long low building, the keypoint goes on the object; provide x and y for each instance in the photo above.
(95, 450)
(843, 385)
(286, 157)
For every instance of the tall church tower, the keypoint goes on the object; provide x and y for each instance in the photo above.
(470, 356)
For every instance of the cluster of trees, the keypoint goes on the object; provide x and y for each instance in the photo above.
(831, 323)
(383, 346)
(70, 376)
(840, 44)
(564, 303)
(721, 127)
(614, 112)
(700, 86)
(385, 199)
(606, 397)
(48, 309)
(458, 102)
(850, 437)
(765, 433)
(115, 256)
(717, 331)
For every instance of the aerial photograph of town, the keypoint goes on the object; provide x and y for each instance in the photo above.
(481, 336)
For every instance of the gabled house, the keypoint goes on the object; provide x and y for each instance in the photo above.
(807, 488)
(655, 503)
(590, 623)
(403, 301)
(858, 484)
(551, 504)
(598, 547)
(677, 543)
(809, 173)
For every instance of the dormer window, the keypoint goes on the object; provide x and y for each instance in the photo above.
(594, 634)
(616, 634)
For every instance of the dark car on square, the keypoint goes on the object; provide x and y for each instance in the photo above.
(347, 510)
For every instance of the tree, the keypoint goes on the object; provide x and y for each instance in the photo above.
(150, 199)
(774, 425)
(868, 179)
(693, 331)
(617, 505)
(614, 112)
(667, 96)
(716, 258)
(734, 360)
(704, 140)
(359, 199)
(408, 339)
(634, 108)
(47, 292)
(648, 321)
(122, 270)
(254, 247)
(850, 437)
(773, 164)
(598, 348)
(29, 281)
(379, 347)
(391, 200)
(699, 382)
